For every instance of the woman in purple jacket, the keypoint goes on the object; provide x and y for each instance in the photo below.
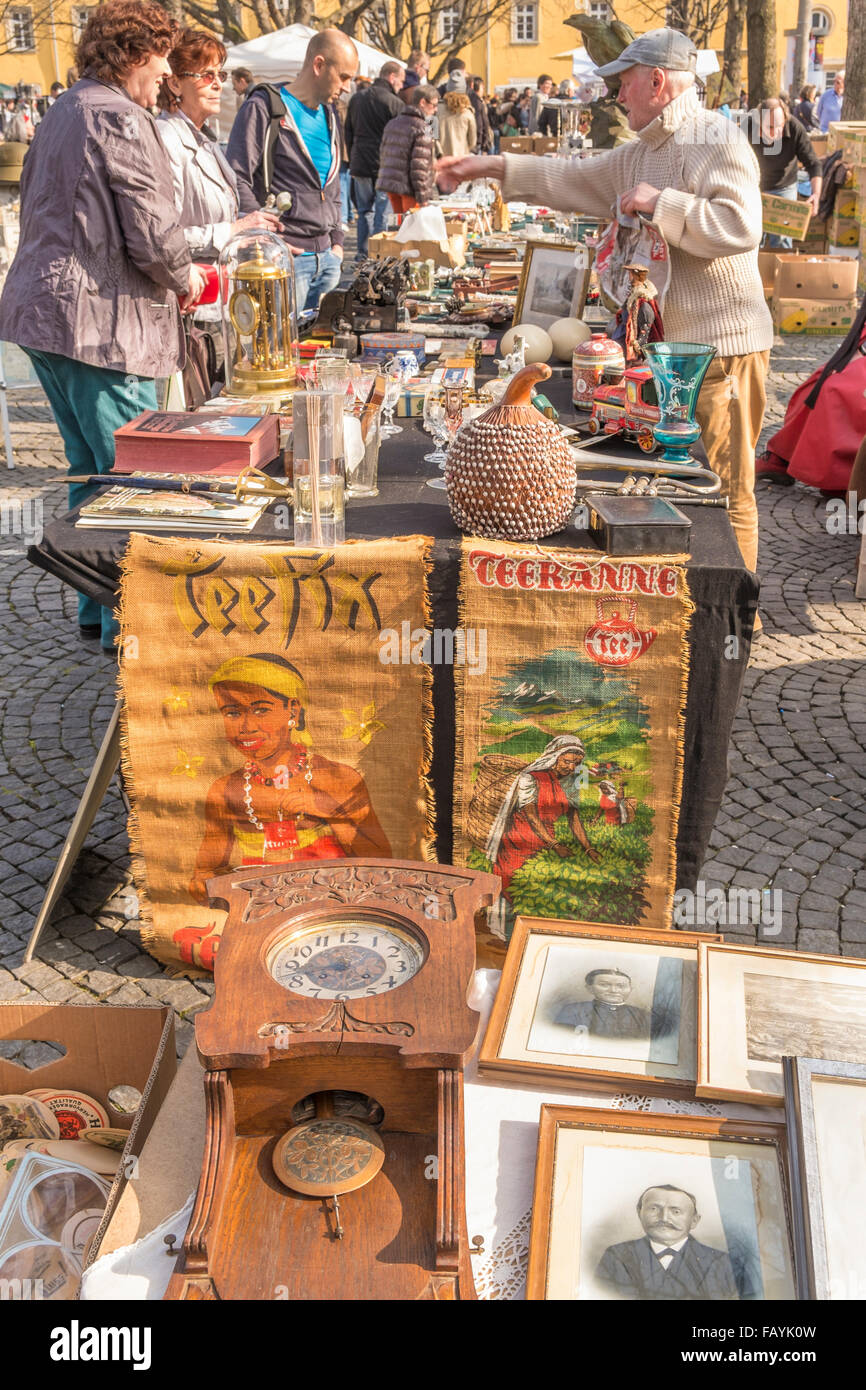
(92, 295)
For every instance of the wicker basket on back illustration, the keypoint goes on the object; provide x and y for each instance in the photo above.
(495, 773)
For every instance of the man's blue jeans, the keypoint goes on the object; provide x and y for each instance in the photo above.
(315, 274)
(373, 208)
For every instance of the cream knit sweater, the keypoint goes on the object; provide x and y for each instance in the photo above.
(709, 213)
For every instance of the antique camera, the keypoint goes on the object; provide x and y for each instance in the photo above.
(373, 303)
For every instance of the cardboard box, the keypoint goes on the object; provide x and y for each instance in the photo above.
(817, 317)
(767, 271)
(844, 231)
(813, 277)
(820, 144)
(105, 1046)
(850, 138)
(847, 202)
(169, 1166)
(516, 144)
(544, 144)
(785, 216)
(381, 245)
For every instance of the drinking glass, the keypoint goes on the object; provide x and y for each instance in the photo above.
(319, 468)
(434, 423)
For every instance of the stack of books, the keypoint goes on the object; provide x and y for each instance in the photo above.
(135, 508)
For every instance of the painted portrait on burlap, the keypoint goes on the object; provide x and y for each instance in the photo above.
(261, 726)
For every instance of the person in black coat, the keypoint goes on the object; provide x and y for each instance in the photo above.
(667, 1262)
(804, 109)
(406, 161)
(368, 113)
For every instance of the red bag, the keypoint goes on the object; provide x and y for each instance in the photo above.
(825, 422)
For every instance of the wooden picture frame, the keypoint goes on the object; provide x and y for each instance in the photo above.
(758, 1004)
(827, 1166)
(530, 982)
(586, 1156)
(570, 307)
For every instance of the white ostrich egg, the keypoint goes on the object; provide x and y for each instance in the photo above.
(565, 335)
(538, 344)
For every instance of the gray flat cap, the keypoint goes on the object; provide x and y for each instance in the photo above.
(660, 48)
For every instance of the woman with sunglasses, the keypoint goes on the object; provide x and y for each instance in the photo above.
(205, 188)
(92, 295)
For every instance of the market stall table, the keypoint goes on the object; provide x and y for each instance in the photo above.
(723, 590)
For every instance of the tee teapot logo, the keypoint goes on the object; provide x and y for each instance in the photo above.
(616, 641)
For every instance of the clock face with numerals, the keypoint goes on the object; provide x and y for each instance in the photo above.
(345, 959)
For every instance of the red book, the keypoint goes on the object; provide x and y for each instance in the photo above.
(176, 441)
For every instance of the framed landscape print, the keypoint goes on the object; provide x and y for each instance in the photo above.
(597, 1007)
(825, 1109)
(758, 1005)
(630, 1206)
(554, 282)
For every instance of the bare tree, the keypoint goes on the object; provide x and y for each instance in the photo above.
(801, 46)
(727, 85)
(854, 107)
(761, 47)
(697, 18)
(439, 28)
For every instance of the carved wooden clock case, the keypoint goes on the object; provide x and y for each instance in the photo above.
(336, 980)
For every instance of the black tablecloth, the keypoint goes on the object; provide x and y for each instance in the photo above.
(723, 590)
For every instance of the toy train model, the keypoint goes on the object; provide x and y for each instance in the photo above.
(628, 407)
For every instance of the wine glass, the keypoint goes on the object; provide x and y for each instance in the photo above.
(393, 388)
(434, 422)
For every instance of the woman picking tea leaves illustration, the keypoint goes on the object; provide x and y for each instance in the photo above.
(536, 799)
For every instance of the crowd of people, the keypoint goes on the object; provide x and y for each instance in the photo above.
(137, 203)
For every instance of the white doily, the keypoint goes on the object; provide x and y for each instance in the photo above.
(501, 1141)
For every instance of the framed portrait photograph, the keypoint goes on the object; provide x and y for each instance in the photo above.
(758, 1005)
(630, 1206)
(554, 282)
(825, 1110)
(597, 1007)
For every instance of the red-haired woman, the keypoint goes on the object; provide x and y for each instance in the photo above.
(205, 188)
(92, 293)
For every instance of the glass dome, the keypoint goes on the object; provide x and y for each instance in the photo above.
(260, 326)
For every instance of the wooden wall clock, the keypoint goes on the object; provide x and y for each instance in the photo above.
(333, 1054)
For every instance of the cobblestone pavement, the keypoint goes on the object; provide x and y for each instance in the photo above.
(793, 818)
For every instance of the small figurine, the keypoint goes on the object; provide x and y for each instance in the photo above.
(639, 321)
(513, 361)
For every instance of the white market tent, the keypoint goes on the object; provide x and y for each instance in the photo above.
(280, 55)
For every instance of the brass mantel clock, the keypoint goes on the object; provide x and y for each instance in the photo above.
(333, 1053)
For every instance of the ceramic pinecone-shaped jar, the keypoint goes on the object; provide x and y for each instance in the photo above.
(510, 475)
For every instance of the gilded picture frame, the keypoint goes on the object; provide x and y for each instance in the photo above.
(546, 292)
(619, 1195)
(552, 1022)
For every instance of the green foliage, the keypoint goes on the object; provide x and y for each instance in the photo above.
(609, 891)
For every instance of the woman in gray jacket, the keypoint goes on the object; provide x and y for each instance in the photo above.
(204, 183)
(92, 295)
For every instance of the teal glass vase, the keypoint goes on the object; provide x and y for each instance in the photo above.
(678, 372)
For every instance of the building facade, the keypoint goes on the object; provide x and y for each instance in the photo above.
(39, 43)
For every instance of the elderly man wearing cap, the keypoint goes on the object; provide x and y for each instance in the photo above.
(693, 174)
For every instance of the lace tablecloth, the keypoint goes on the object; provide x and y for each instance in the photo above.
(501, 1140)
